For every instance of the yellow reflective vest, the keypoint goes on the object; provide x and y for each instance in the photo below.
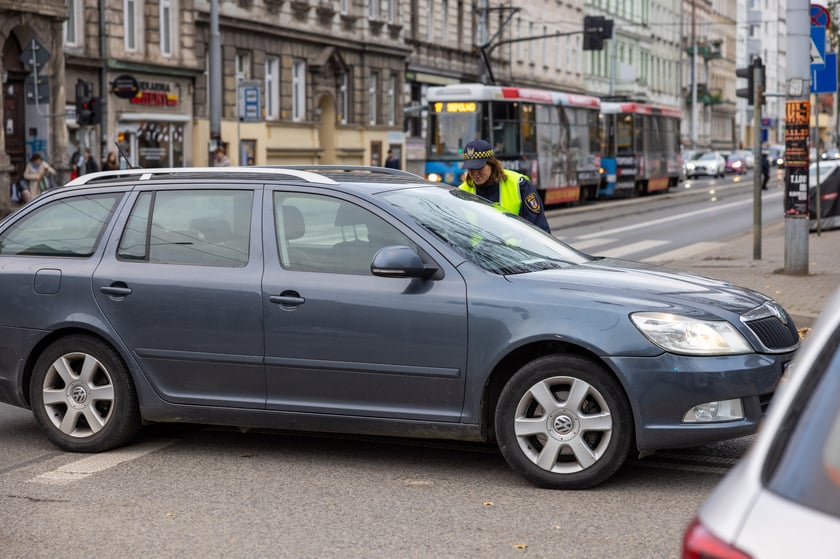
(509, 198)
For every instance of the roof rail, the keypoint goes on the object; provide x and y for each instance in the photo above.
(146, 174)
(347, 169)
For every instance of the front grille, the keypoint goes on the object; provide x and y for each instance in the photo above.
(774, 333)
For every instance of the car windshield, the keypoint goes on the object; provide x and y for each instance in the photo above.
(707, 155)
(500, 243)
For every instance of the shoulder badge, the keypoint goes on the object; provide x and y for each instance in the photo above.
(532, 202)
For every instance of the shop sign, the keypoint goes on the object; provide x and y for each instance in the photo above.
(125, 87)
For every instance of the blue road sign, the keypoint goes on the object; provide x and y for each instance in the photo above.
(824, 80)
(817, 47)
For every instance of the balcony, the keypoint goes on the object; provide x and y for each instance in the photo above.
(705, 95)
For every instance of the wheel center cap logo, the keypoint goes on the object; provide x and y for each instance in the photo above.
(79, 395)
(563, 424)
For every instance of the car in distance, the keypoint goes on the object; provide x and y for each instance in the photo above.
(782, 499)
(748, 156)
(365, 300)
(735, 163)
(709, 163)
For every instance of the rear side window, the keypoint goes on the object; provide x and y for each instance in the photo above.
(809, 469)
(189, 227)
(68, 227)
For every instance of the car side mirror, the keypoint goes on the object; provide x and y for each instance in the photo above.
(400, 262)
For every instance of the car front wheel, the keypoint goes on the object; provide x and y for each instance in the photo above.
(83, 396)
(563, 422)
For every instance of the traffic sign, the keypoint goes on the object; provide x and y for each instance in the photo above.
(249, 101)
(819, 16)
(35, 54)
(817, 47)
(36, 92)
(824, 80)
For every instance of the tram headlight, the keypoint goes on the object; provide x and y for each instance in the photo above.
(434, 177)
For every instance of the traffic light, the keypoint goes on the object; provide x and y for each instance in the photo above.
(595, 30)
(89, 111)
(82, 94)
(755, 79)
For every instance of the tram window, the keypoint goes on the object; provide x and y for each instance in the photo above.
(505, 133)
(529, 129)
(624, 134)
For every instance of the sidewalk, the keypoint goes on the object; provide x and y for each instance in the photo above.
(803, 296)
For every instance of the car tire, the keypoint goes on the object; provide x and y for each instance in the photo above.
(563, 422)
(83, 397)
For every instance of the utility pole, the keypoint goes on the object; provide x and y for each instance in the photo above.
(797, 121)
(215, 93)
(693, 74)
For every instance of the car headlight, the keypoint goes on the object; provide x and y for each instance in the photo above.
(689, 166)
(690, 336)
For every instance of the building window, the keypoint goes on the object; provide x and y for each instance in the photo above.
(544, 46)
(519, 36)
(343, 98)
(392, 11)
(73, 25)
(444, 21)
(392, 99)
(167, 26)
(130, 24)
(242, 69)
(343, 7)
(272, 88)
(298, 90)
(430, 21)
(373, 97)
(373, 9)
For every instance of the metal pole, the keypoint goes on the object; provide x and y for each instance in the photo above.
(798, 84)
(758, 79)
(215, 93)
(693, 75)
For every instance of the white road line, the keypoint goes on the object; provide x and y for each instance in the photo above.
(685, 252)
(646, 223)
(621, 251)
(586, 245)
(80, 469)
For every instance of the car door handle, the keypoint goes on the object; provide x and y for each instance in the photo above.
(289, 299)
(115, 290)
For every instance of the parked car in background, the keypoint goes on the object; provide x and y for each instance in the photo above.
(830, 153)
(709, 163)
(748, 156)
(782, 499)
(828, 194)
(735, 163)
(365, 300)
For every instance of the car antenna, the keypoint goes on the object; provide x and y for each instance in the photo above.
(124, 156)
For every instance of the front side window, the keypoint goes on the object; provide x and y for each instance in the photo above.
(67, 227)
(324, 234)
(189, 227)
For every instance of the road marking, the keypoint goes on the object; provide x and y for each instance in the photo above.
(80, 469)
(586, 245)
(685, 252)
(713, 209)
(621, 251)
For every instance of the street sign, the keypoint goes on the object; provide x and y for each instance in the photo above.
(819, 16)
(824, 80)
(817, 47)
(34, 55)
(249, 101)
(36, 92)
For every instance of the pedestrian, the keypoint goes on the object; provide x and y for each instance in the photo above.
(391, 161)
(510, 191)
(38, 174)
(765, 170)
(110, 163)
(87, 164)
(74, 162)
(220, 158)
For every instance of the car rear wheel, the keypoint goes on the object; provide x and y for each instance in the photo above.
(563, 422)
(83, 396)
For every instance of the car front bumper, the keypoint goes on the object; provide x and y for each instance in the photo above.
(664, 388)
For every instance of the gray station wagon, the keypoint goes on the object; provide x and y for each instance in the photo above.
(365, 300)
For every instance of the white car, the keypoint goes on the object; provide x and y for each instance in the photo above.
(709, 163)
(783, 498)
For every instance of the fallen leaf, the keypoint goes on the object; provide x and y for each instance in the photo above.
(520, 546)
(170, 514)
(488, 503)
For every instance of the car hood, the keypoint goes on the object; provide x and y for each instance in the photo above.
(648, 287)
